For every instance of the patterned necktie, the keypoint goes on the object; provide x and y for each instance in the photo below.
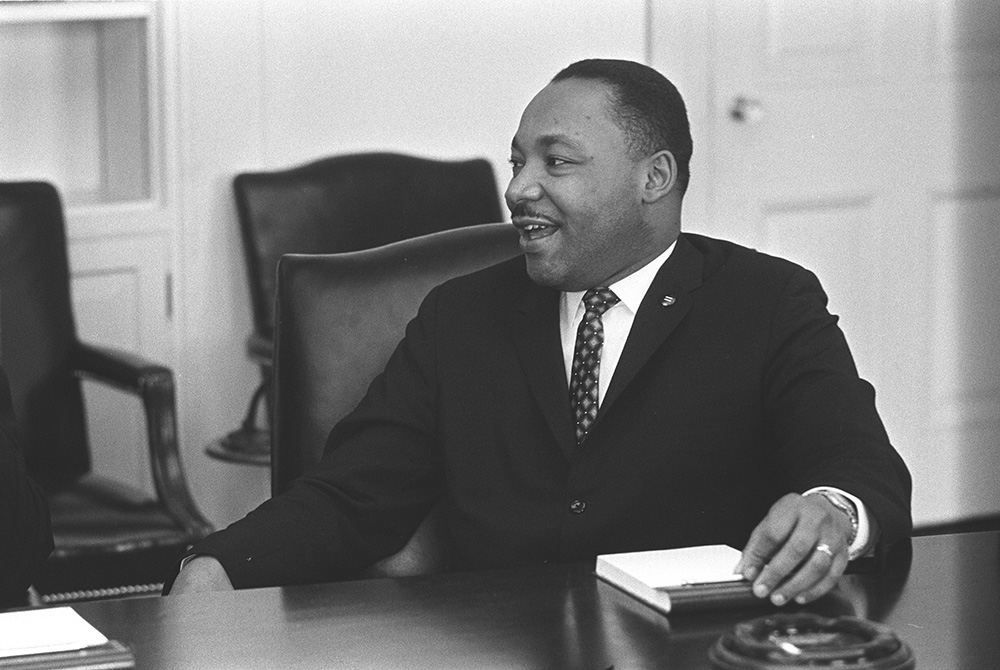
(587, 359)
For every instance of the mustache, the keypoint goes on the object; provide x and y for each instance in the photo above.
(521, 210)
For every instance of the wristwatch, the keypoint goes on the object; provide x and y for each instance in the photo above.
(845, 505)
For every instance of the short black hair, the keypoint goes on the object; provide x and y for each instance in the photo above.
(647, 106)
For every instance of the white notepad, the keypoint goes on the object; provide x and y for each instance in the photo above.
(46, 630)
(678, 567)
(661, 577)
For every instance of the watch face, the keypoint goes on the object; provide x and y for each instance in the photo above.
(804, 640)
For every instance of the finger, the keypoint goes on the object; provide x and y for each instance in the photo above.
(825, 584)
(814, 577)
(766, 538)
(762, 544)
(793, 553)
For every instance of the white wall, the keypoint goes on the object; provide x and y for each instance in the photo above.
(268, 84)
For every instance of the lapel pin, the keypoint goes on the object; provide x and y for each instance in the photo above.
(668, 300)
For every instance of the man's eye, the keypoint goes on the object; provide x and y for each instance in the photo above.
(516, 164)
(555, 161)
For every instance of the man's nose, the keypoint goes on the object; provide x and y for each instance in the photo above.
(523, 186)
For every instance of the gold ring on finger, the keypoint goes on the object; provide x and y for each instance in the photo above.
(824, 548)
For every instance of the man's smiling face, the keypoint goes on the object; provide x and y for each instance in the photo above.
(576, 190)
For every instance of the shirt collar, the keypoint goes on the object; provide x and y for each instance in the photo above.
(630, 290)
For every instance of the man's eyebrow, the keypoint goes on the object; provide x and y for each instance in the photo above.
(546, 141)
(549, 140)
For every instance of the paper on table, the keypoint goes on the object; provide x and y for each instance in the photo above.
(679, 567)
(46, 630)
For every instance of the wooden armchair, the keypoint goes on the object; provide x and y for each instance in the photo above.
(109, 539)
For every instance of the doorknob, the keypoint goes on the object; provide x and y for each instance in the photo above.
(746, 110)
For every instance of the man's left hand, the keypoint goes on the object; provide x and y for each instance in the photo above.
(798, 551)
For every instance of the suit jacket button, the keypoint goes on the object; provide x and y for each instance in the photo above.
(577, 507)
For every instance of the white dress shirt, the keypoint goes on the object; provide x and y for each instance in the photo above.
(617, 322)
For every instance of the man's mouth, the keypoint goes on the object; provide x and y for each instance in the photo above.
(534, 229)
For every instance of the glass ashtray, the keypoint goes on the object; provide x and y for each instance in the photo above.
(786, 641)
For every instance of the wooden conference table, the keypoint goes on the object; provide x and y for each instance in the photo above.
(945, 604)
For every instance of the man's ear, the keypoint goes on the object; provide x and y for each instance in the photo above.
(661, 176)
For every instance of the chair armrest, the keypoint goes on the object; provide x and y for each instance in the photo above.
(154, 384)
(260, 349)
(126, 370)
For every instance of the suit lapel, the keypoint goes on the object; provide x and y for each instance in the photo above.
(656, 319)
(535, 332)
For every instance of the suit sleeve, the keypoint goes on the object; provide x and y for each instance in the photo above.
(825, 429)
(25, 531)
(379, 476)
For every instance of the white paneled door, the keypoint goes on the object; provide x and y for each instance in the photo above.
(120, 289)
(857, 138)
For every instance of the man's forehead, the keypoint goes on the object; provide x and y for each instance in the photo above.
(563, 112)
(570, 97)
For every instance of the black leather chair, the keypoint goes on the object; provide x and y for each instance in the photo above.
(109, 539)
(339, 317)
(339, 204)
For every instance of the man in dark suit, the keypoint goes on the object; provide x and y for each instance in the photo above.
(621, 387)
(25, 532)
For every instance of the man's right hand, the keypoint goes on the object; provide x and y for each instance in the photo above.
(201, 574)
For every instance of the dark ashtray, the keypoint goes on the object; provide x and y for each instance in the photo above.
(785, 641)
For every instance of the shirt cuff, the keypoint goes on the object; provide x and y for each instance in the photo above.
(187, 559)
(862, 544)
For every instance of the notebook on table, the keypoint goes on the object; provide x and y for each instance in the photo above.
(57, 637)
(687, 578)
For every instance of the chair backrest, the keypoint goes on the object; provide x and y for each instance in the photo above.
(352, 202)
(38, 332)
(340, 316)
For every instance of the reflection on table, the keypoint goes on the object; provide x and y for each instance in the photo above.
(945, 604)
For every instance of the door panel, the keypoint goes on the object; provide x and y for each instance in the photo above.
(119, 296)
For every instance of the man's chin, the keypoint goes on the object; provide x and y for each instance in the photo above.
(540, 272)
(545, 273)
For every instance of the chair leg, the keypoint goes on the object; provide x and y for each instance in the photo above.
(248, 444)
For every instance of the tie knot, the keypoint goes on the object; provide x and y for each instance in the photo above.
(599, 300)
